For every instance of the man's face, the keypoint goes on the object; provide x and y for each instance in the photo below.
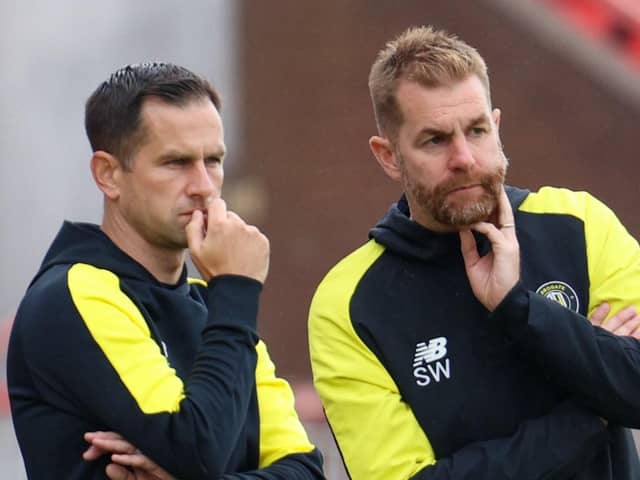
(449, 154)
(176, 170)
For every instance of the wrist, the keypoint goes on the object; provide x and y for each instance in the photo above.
(233, 299)
(512, 312)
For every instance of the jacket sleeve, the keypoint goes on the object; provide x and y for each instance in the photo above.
(285, 450)
(380, 438)
(102, 360)
(556, 446)
(305, 466)
(601, 370)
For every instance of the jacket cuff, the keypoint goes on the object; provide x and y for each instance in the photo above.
(233, 300)
(512, 314)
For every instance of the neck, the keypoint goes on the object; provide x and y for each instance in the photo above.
(163, 263)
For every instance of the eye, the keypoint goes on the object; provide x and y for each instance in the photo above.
(478, 131)
(178, 162)
(436, 140)
(212, 161)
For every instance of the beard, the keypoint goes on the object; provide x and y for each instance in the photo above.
(167, 236)
(437, 203)
(164, 232)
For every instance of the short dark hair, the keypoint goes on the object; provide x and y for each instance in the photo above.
(112, 112)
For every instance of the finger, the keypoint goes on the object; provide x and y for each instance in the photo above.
(194, 230)
(235, 218)
(619, 320)
(505, 212)
(628, 327)
(636, 333)
(600, 313)
(490, 231)
(137, 460)
(92, 453)
(217, 211)
(141, 462)
(118, 472)
(468, 248)
(89, 436)
(216, 215)
(114, 445)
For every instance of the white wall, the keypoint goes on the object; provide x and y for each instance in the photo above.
(53, 54)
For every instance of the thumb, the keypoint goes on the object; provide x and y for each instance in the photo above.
(118, 472)
(195, 230)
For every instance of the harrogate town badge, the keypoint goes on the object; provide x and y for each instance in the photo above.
(561, 293)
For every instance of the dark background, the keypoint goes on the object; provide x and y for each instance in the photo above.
(306, 119)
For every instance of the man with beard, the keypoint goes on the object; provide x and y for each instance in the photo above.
(112, 336)
(455, 343)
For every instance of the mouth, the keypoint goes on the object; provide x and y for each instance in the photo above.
(465, 188)
(189, 215)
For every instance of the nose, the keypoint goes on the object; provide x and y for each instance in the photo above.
(201, 181)
(461, 157)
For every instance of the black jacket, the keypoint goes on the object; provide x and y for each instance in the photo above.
(419, 381)
(99, 344)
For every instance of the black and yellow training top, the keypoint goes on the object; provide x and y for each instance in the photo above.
(419, 381)
(99, 344)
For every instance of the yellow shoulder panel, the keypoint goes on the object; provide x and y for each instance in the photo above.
(281, 432)
(556, 200)
(378, 435)
(613, 255)
(122, 334)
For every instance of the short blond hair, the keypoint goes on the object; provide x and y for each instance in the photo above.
(423, 55)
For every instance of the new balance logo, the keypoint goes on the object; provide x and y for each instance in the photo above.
(424, 368)
(427, 353)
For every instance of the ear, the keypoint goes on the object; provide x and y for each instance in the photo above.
(107, 171)
(385, 154)
(496, 114)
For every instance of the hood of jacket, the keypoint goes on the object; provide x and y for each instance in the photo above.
(87, 243)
